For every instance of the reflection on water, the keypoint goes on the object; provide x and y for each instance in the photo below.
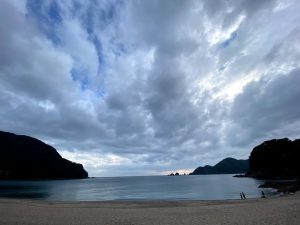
(24, 189)
(206, 187)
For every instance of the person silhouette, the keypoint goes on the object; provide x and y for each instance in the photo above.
(263, 194)
(244, 196)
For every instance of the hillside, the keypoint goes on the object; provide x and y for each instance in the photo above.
(275, 159)
(226, 166)
(24, 157)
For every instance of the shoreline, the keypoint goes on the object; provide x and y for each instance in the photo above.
(274, 210)
(50, 201)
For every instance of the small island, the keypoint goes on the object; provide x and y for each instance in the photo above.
(24, 157)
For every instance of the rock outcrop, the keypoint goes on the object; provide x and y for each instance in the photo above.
(24, 157)
(275, 159)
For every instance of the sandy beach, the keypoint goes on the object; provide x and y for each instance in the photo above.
(278, 210)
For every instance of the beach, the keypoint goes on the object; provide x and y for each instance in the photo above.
(276, 210)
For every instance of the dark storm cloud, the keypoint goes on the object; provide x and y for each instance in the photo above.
(265, 107)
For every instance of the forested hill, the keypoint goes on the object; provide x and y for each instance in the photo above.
(275, 159)
(226, 166)
(24, 157)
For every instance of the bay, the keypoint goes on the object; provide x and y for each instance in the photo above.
(197, 187)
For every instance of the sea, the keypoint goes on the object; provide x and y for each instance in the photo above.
(197, 187)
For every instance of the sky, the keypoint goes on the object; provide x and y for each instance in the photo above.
(140, 87)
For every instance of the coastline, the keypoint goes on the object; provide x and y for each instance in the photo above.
(275, 210)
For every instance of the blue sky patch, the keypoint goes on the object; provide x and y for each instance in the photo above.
(80, 75)
(227, 42)
(47, 14)
(48, 17)
(101, 58)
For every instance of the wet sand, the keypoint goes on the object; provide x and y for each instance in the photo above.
(278, 210)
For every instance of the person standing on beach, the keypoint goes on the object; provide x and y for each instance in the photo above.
(244, 196)
(241, 196)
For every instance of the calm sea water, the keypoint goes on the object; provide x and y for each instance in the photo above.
(201, 187)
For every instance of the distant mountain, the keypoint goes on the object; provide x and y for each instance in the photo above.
(275, 159)
(23, 157)
(226, 166)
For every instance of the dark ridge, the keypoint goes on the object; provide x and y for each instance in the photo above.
(226, 166)
(275, 159)
(24, 157)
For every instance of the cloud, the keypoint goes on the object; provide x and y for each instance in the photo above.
(140, 87)
(265, 108)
